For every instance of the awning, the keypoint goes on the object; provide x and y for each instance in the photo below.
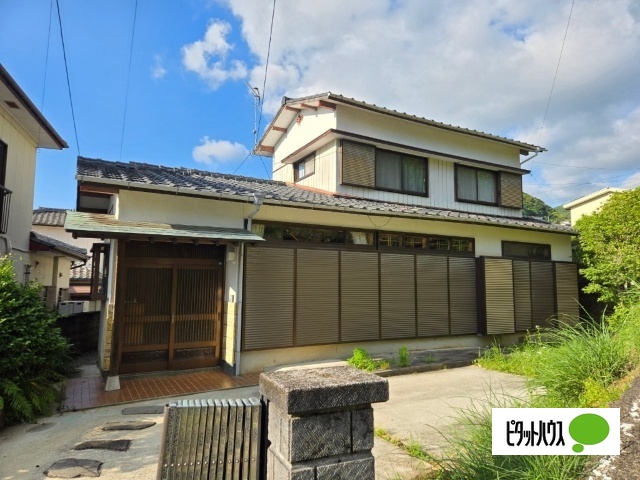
(42, 243)
(99, 225)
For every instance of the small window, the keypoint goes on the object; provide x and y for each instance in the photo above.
(533, 251)
(99, 271)
(360, 238)
(389, 240)
(476, 186)
(401, 173)
(441, 244)
(462, 245)
(304, 168)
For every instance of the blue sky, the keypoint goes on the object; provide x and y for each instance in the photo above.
(487, 65)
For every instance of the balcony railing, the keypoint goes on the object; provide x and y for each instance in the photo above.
(5, 201)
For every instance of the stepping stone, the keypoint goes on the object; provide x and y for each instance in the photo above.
(73, 468)
(149, 410)
(115, 445)
(139, 425)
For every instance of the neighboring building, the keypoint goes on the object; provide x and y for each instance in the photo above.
(50, 222)
(23, 129)
(379, 230)
(589, 204)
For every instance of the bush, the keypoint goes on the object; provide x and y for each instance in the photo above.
(35, 356)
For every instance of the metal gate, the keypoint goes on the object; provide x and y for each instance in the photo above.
(170, 313)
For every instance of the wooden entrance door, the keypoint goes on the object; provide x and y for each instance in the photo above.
(170, 313)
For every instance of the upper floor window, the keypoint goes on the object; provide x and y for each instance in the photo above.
(534, 251)
(476, 186)
(304, 168)
(401, 173)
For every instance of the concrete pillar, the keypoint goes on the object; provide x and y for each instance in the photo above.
(321, 423)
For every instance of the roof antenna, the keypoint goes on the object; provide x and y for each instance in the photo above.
(256, 103)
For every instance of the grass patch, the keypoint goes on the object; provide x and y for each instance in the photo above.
(363, 361)
(413, 448)
(404, 359)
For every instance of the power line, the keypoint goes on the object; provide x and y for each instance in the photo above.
(126, 95)
(264, 83)
(553, 84)
(66, 67)
(242, 163)
(541, 190)
(46, 58)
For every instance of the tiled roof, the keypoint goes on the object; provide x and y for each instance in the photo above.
(52, 217)
(341, 99)
(81, 273)
(57, 245)
(197, 182)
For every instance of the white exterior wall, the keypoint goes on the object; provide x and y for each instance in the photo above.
(326, 169)
(588, 207)
(59, 233)
(314, 123)
(50, 270)
(405, 132)
(20, 179)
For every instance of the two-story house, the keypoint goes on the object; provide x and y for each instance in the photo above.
(379, 229)
(23, 129)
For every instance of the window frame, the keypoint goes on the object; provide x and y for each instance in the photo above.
(494, 174)
(425, 162)
(296, 165)
(426, 250)
(100, 263)
(529, 256)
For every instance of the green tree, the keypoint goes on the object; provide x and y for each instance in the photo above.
(609, 246)
(34, 355)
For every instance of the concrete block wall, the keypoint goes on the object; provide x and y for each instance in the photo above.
(320, 423)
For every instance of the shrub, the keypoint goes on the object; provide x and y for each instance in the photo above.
(35, 356)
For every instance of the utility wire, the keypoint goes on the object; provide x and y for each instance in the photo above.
(242, 163)
(66, 67)
(46, 58)
(126, 95)
(264, 83)
(553, 84)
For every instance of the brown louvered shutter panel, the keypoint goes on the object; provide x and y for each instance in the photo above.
(522, 294)
(358, 164)
(542, 293)
(433, 295)
(567, 291)
(498, 284)
(398, 301)
(268, 298)
(510, 190)
(316, 297)
(359, 296)
(462, 295)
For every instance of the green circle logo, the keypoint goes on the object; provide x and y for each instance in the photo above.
(588, 429)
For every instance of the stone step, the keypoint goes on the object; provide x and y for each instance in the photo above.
(135, 425)
(148, 410)
(115, 445)
(73, 468)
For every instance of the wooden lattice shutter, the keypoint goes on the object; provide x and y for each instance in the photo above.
(542, 293)
(359, 296)
(358, 164)
(397, 289)
(498, 290)
(462, 294)
(510, 190)
(433, 295)
(567, 291)
(522, 294)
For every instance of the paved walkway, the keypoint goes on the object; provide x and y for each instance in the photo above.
(88, 392)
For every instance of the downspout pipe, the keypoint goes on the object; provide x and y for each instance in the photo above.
(538, 151)
(258, 199)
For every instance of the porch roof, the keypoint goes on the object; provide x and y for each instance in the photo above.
(100, 225)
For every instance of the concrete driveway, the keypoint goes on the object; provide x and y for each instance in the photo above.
(420, 406)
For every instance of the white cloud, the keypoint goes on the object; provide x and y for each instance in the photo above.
(208, 57)
(158, 71)
(487, 65)
(218, 151)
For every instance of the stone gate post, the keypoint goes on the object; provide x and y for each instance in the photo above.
(321, 423)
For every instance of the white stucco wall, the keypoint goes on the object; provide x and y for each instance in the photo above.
(20, 179)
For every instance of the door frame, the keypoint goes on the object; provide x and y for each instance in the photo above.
(175, 263)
